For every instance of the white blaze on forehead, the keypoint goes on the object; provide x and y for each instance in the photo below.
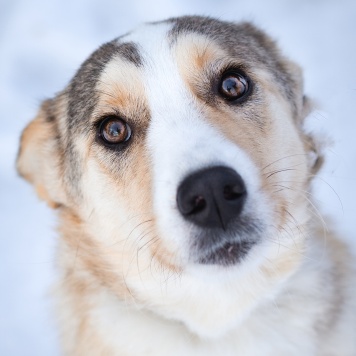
(180, 139)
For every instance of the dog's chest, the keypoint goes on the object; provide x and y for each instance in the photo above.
(270, 330)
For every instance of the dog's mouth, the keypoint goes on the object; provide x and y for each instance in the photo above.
(230, 253)
(227, 247)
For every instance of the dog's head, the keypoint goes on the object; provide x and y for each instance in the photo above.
(177, 154)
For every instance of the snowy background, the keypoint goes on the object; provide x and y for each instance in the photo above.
(42, 43)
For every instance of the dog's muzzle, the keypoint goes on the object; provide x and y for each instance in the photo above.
(213, 200)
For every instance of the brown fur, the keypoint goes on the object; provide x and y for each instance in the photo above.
(113, 249)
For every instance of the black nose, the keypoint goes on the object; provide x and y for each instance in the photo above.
(212, 197)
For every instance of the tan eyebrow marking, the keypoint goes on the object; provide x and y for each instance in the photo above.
(120, 88)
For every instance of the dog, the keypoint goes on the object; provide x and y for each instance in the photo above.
(181, 172)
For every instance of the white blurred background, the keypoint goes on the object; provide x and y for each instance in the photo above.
(42, 43)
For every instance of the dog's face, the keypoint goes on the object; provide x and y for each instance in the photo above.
(177, 154)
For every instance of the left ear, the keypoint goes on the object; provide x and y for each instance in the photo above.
(303, 106)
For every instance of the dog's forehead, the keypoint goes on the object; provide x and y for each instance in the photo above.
(153, 50)
(159, 74)
(156, 42)
(149, 38)
(159, 56)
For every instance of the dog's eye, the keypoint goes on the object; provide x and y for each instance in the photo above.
(233, 86)
(114, 130)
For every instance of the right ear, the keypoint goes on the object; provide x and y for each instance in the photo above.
(38, 159)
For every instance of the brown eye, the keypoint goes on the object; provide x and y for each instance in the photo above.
(114, 130)
(233, 86)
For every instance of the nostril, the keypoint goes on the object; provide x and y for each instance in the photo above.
(199, 204)
(191, 206)
(233, 192)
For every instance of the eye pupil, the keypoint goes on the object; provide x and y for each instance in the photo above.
(230, 85)
(233, 86)
(114, 130)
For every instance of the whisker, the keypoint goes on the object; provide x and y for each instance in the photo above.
(129, 235)
(280, 159)
(154, 239)
(324, 181)
(317, 212)
(337, 195)
(293, 250)
(278, 171)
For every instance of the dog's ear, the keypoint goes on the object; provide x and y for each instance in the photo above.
(314, 145)
(303, 107)
(38, 159)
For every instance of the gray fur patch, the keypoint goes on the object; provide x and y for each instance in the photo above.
(83, 98)
(243, 41)
(81, 91)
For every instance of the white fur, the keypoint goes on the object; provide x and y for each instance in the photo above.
(251, 308)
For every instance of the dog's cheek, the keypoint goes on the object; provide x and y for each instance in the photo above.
(138, 196)
(285, 167)
(118, 212)
(108, 235)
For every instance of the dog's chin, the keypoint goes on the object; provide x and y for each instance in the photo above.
(229, 246)
(227, 254)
